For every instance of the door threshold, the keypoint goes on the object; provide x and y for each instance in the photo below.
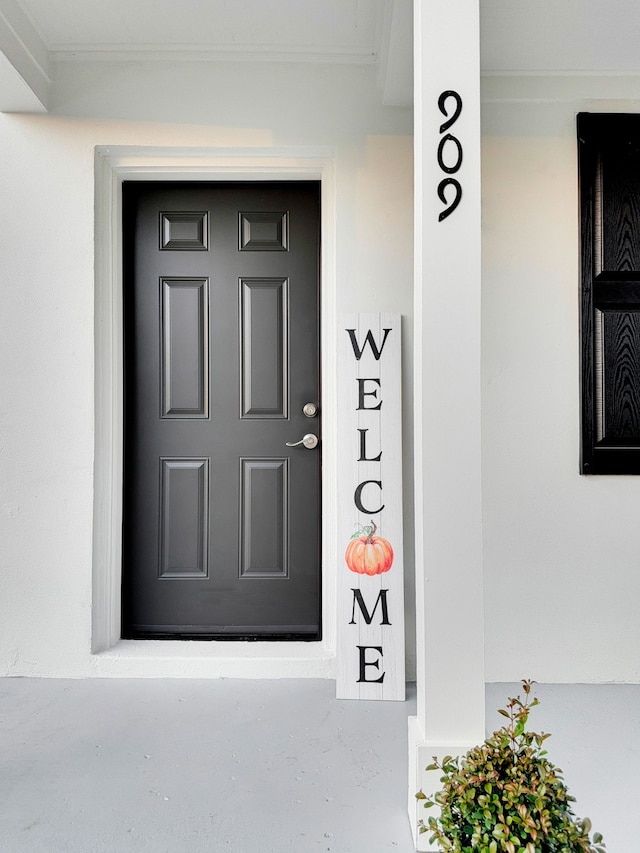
(195, 659)
(228, 634)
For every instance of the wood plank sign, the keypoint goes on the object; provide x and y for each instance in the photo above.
(370, 650)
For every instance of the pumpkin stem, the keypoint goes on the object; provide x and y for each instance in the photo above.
(369, 539)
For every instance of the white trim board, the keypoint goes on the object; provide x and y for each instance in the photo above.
(112, 656)
(329, 54)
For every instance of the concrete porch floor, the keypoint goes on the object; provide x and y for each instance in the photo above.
(187, 766)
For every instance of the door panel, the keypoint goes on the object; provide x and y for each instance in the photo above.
(221, 521)
(184, 361)
(264, 517)
(184, 500)
(264, 312)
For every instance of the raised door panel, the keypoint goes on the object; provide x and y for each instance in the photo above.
(264, 336)
(184, 365)
(264, 518)
(184, 517)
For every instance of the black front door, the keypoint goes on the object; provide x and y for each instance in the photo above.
(221, 517)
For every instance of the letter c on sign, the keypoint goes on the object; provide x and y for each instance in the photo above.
(358, 497)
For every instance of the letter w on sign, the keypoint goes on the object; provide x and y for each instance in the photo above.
(370, 648)
(369, 339)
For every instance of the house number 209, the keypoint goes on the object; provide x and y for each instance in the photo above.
(449, 152)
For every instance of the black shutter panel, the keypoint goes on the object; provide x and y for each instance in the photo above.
(609, 168)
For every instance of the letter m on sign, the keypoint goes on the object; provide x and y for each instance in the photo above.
(368, 617)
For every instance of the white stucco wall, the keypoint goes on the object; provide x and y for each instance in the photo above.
(562, 580)
(47, 291)
(561, 551)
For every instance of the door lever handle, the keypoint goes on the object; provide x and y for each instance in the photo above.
(309, 441)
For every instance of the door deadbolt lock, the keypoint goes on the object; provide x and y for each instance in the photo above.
(310, 410)
(309, 441)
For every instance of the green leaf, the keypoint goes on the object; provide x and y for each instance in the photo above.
(421, 795)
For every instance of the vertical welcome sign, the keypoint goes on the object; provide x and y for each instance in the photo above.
(370, 661)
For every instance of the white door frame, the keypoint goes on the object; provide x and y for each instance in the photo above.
(178, 658)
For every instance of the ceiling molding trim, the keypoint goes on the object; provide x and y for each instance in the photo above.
(559, 73)
(559, 88)
(26, 69)
(25, 51)
(18, 34)
(15, 95)
(384, 40)
(395, 71)
(214, 53)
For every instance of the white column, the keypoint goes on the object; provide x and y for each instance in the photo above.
(449, 588)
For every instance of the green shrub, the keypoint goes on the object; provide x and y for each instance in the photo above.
(505, 795)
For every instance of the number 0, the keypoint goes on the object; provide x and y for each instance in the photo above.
(450, 170)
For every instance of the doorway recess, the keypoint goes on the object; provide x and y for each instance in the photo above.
(264, 659)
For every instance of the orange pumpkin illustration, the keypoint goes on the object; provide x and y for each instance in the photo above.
(369, 554)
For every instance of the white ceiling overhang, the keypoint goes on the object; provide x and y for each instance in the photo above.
(519, 38)
(36, 35)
